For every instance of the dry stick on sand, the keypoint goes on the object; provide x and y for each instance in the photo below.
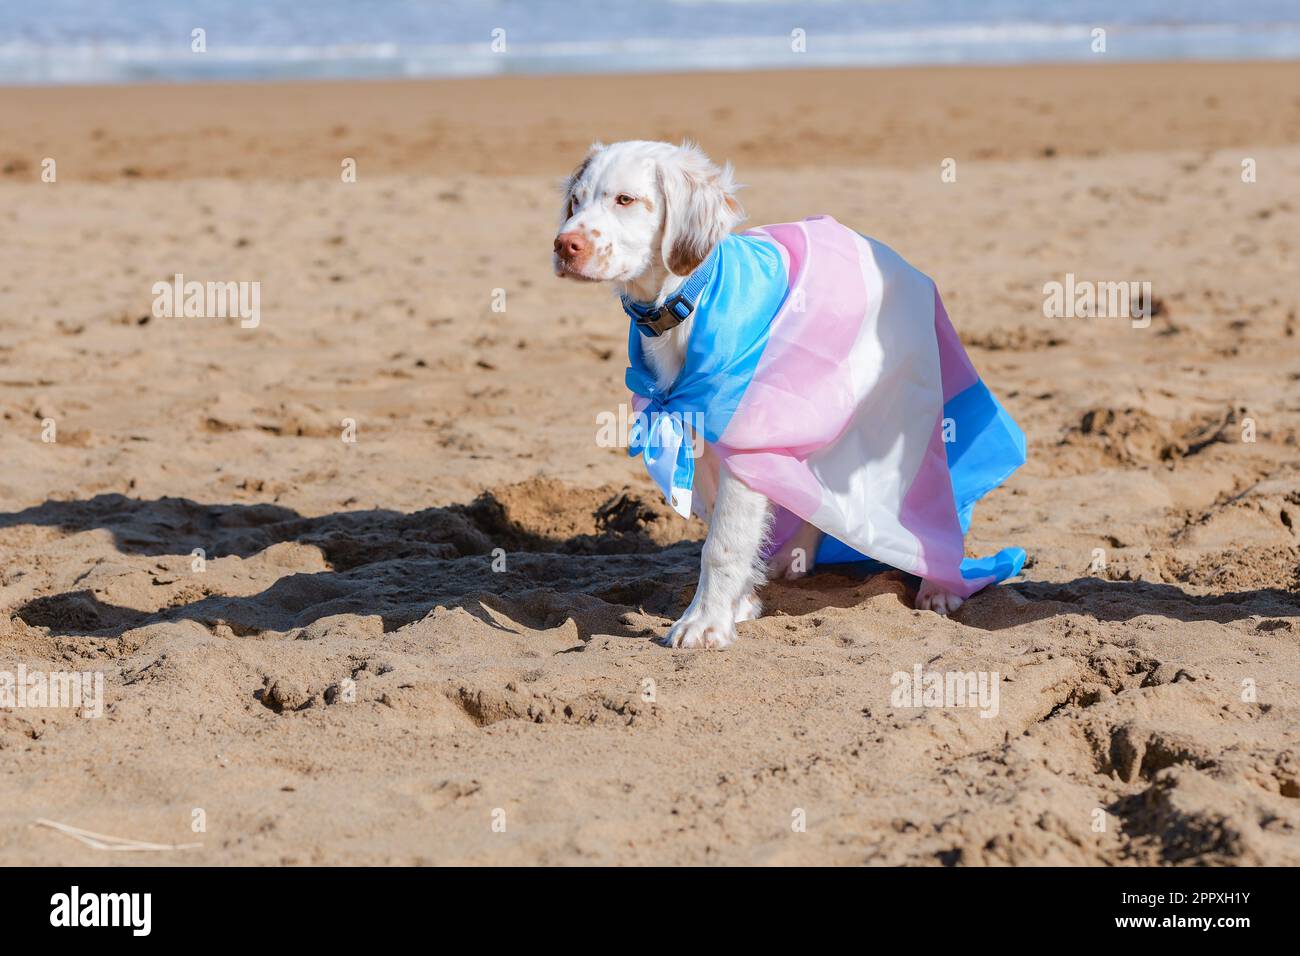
(102, 842)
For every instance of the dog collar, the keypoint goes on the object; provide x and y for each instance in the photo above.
(652, 320)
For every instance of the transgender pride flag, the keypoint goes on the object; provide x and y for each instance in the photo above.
(823, 370)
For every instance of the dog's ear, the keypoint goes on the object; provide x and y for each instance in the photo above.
(566, 212)
(700, 207)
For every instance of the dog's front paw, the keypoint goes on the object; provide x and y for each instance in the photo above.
(699, 628)
(933, 597)
(787, 567)
(748, 608)
(796, 557)
(794, 561)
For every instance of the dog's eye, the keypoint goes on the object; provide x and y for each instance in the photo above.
(623, 199)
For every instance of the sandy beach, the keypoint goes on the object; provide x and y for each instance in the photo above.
(435, 643)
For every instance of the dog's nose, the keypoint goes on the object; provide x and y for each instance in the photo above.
(571, 246)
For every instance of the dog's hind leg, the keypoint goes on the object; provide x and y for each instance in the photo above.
(731, 567)
(934, 597)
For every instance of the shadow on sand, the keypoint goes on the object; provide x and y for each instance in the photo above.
(400, 566)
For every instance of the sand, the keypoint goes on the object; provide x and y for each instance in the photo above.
(434, 644)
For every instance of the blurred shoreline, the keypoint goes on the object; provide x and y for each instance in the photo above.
(76, 41)
(957, 45)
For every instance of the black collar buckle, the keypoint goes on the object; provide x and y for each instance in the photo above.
(675, 310)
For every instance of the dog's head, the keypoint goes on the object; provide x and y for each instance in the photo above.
(640, 208)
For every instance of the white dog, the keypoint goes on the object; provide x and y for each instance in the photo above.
(644, 215)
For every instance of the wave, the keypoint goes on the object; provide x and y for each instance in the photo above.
(24, 61)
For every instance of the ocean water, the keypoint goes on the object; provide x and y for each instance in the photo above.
(125, 41)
